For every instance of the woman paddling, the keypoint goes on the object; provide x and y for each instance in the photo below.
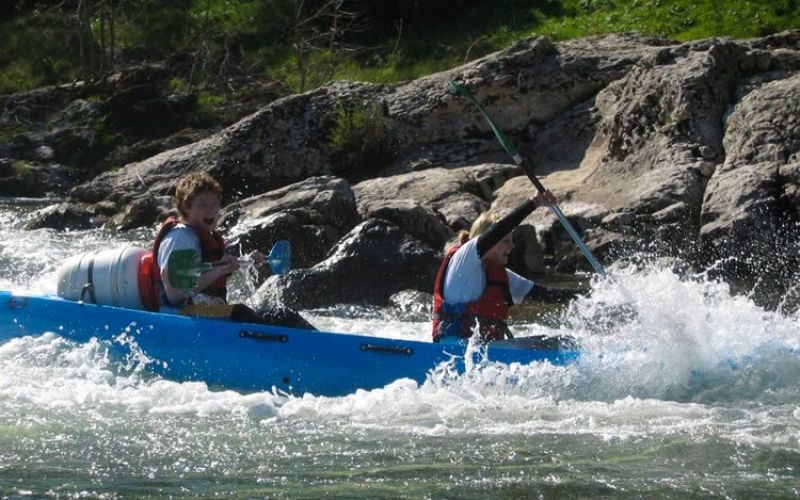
(474, 286)
(198, 201)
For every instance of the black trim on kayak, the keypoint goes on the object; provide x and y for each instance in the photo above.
(270, 337)
(387, 349)
(540, 342)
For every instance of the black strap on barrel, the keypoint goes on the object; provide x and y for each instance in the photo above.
(88, 287)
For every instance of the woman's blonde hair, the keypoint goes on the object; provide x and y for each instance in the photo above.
(481, 224)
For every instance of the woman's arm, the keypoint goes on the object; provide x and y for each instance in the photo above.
(547, 294)
(502, 227)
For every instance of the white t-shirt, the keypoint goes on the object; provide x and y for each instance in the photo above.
(181, 237)
(465, 278)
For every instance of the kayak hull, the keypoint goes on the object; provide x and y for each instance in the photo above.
(253, 357)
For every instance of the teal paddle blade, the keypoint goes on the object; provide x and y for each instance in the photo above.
(184, 267)
(280, 257)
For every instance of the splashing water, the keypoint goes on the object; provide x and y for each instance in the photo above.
(682, 389)
(682, 338)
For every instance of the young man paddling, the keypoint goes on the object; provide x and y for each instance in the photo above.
(198, 201)
(474, 287)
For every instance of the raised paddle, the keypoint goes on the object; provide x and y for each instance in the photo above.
(462, 90)
(186, 266)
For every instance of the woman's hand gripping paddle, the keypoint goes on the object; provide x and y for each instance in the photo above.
(460, 89)
(186, 266)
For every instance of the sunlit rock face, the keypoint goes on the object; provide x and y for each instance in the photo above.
(686, 150)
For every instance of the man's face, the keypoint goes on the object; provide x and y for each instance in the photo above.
(202, 210)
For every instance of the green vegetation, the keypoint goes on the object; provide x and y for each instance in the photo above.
(33, 52)
(307, 43)
(21, 167)
(682, 20)
(357, 128)
(364, 132)
(9, 130)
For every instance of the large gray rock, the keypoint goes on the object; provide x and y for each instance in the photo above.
(285, 142)
(39, 179)
(312, 214)
(290, 139)
(71, 216)
(685, 150)
(661, 128)
(432, 203)
(750, 208)
(374, 261)
(789, 176)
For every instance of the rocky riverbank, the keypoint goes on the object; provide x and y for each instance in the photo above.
(680, 150)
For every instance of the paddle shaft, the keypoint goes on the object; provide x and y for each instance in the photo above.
(512, 152)
(243, 260)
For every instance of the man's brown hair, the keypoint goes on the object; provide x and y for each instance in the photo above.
(192, 184)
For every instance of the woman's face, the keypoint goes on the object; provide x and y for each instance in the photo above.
(500, 252)
(202, 210)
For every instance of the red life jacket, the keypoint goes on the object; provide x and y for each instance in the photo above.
(212, 246)
(490, 310)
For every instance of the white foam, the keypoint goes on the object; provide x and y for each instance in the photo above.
(658, 351)
(53, 373)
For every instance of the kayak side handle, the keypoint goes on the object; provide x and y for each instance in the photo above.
(16, 302)
(269, 337)
(387, 349)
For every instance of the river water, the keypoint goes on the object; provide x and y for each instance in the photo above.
(683, 390)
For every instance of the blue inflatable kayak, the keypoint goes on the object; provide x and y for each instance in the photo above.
(253, 357)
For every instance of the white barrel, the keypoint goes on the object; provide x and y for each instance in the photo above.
(108, 277)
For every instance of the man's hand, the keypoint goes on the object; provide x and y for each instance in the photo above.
(228, 265)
